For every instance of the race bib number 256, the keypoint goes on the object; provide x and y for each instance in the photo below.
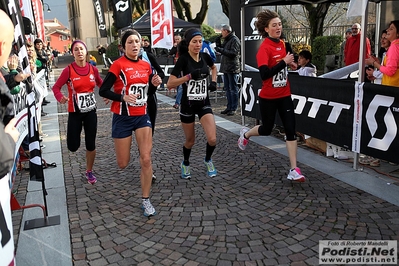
(197, 89)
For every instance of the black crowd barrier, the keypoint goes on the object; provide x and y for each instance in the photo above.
(363, 118)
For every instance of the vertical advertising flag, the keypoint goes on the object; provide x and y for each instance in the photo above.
(356, 8)
(122, 13)
(161, 24)
(99, 10)
(39, 18)
(26, 9)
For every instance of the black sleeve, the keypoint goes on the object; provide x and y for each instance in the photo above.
(155, 65)
(266, 72)
(105, 89)
(173, 51)
(151, 88)
(208, 59)
(10, 81)
(180, 65)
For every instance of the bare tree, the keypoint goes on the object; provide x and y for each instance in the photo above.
(140, 6)
(225, 7)
(316, 17)
(183, 10)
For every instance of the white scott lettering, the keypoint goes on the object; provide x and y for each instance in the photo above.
(315, 107)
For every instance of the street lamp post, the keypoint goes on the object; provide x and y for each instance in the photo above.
(48, 7)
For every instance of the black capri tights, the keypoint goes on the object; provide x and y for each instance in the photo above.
(285, 108)
(76, 121)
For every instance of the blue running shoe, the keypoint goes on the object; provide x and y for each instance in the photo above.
(212, 172)
(185, 171)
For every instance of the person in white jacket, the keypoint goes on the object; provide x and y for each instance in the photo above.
(306, 67)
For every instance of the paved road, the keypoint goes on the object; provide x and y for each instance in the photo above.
(249, 214)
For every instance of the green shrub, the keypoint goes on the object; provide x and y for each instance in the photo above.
(325, 45)
(298, 47)
(209, 33)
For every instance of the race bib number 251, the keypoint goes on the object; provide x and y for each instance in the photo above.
(141, 92)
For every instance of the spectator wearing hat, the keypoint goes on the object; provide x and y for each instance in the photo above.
(229, 66)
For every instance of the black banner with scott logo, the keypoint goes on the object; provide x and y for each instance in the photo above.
(363, 118)
(99, 10)
(122, 13)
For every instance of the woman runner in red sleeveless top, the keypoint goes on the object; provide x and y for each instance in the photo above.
(81, 79)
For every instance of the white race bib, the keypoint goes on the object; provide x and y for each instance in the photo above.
(197, 89)
(280, 79)
(141, 91)
(86, 101)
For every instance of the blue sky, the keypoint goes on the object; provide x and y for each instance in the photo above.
(58, 10)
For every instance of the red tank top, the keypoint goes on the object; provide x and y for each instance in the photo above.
(79, 85)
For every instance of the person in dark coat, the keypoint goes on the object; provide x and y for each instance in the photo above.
(229, 66)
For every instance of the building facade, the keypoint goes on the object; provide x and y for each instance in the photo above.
(83, 22)
(57, 35)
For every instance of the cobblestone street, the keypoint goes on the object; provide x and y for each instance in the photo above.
(249, 214)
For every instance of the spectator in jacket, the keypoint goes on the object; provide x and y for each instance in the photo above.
(147, 45)
(306, 68)
(348, 34)
(175, 53)
(352, 46)
(9, 134)
(102, 51)
(229, 66)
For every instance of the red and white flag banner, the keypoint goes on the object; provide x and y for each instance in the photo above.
(161, 23)
(39, 18)
(26, 9)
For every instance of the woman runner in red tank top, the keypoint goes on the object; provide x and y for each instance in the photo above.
(81, 79)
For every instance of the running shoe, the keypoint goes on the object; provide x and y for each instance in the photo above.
(185, 171)
(91, 179)
(212, 172)
(154, 178)
(148, 208)
(242, 141)
(295, 175)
